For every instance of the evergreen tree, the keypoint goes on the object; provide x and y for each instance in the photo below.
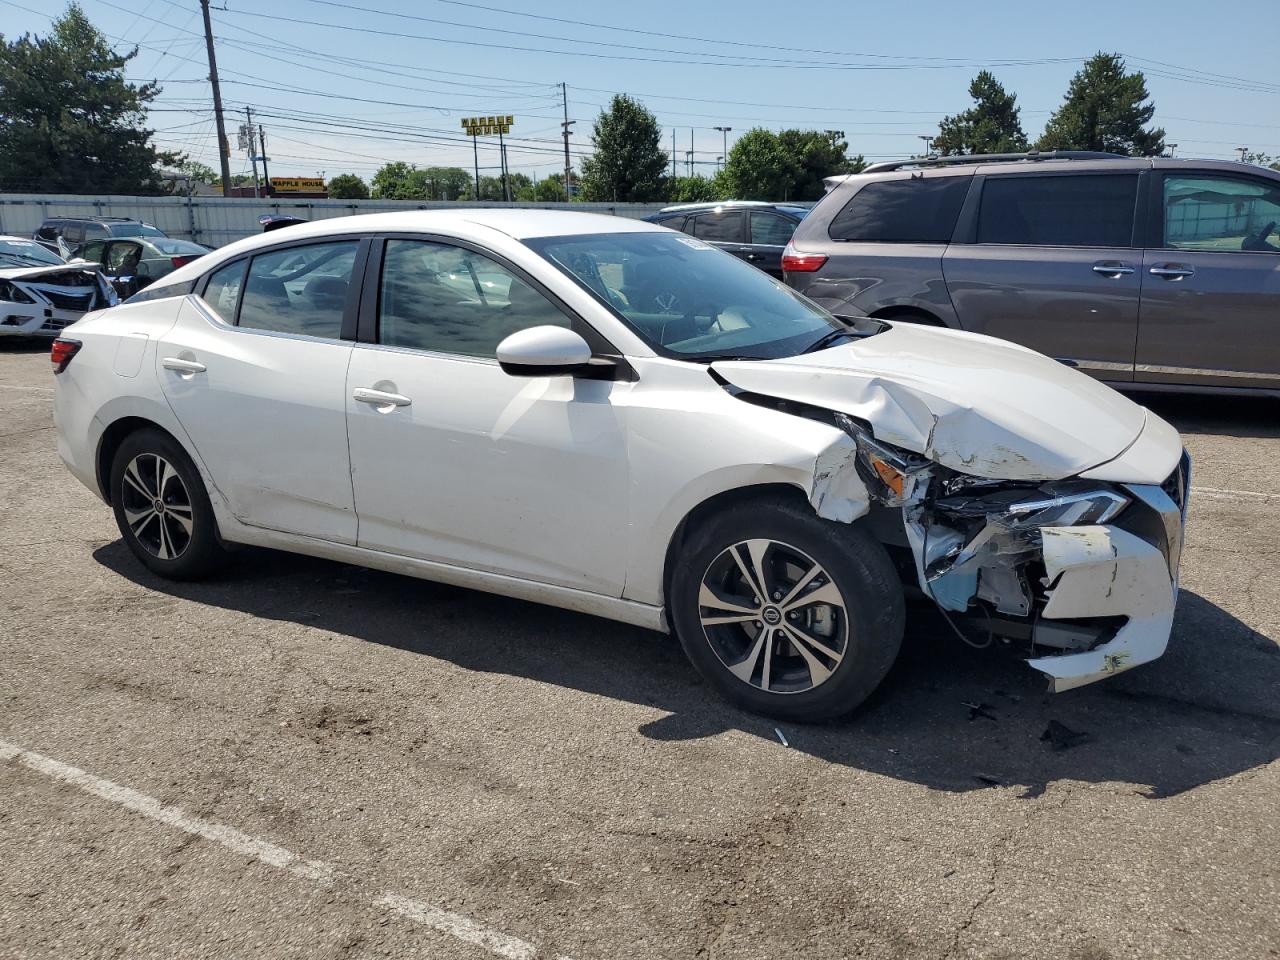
(991, 125)
(69, 121)
(628, 163)
(1105, 109)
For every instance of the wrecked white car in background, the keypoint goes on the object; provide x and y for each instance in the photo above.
(41, 293)
(628, 422)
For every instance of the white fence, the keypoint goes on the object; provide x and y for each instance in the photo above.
(215, 221)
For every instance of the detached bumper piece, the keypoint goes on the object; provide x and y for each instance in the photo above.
(1105, 571)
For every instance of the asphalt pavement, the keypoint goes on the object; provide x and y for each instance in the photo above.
(306, 759)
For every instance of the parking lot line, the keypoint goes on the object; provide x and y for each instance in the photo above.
(444, 921)
(1227, 493)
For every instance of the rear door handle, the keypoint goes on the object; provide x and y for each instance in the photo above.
(1112, 268)
(380, 398)
(1172, 271)
(183, 366)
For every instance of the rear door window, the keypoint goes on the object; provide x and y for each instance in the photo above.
(299, 290)
(915, 210)
(771, 229)
(727, 227)
(1069, 211)
(1221, 214)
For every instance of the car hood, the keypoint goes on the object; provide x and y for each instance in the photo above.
(981, 406)
(35, 273)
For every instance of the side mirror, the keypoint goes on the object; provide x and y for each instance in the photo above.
(543, 352)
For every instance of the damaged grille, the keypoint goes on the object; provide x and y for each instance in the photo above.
(80, 300)
(53, 325)
(1178, 483)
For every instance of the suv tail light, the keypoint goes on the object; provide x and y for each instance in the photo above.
(62, 352)
(796, 262)
(184, 260)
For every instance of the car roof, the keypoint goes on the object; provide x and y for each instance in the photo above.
(716, 204)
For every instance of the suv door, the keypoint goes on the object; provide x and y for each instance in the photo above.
(1049, 260)
(770, 233)
(1211, 281)
(259, 359)
(457, 462)
(726, 229)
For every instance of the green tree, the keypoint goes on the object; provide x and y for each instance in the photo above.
(197, 171)
(991, 125)
(348, 186)
(789, 165)
(1105, 109)
(69, 121)
(491, 187)
(1261, 159)
(392, 181)
(694, 189)
(628, 163)
(441, 183)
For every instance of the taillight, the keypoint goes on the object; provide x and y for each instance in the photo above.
(183, 261)
(62, 352)
(794, 262)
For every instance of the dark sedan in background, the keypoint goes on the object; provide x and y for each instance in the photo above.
(757, 232)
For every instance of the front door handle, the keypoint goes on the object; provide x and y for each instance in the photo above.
(1171, 271)
(380, 398)
(1112, 268)
(183, 366)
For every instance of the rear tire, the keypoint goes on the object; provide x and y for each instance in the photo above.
(162, 507)
(819, 638)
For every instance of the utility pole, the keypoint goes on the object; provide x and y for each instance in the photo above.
(262, 149)
(217, 101)
(247, 130)
(674, 171)
(502, 166)
(725, 131)
(564, 93)
(691, 151)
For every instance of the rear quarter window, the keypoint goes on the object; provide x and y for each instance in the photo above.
(915, 210)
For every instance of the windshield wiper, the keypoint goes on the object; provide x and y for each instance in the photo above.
(829, 339)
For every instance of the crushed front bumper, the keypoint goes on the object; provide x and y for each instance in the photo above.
(1111, 571)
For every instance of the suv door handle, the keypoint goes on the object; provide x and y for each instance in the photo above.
(380, 398)
(1112, 268)
(1171, 271)
(183, 366)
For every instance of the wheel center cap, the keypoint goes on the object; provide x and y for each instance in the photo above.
(771, 616)
(158, 506)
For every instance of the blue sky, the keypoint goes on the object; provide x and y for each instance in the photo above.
(346, 97)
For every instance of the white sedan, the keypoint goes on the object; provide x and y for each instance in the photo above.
(613, 418)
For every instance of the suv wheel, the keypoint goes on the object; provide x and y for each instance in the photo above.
(162, 508)
(785, 613)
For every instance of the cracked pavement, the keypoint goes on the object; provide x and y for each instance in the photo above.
(568, 780)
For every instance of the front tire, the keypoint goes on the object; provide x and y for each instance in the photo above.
(162, 508)
(787, 614)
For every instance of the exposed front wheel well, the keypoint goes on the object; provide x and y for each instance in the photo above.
(112, 437)
(709, 508)
(909, 315)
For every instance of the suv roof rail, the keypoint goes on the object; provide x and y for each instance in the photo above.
(966, 159)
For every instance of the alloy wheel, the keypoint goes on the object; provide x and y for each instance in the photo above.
(773, 616)
(157, 506)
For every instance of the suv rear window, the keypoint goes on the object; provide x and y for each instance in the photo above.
(1072, 211)
(915, 210)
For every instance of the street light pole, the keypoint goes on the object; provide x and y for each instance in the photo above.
(724, 133)
(928, 142)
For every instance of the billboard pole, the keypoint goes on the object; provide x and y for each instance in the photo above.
(475, 156)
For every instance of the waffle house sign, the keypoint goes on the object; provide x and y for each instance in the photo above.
(487, 126)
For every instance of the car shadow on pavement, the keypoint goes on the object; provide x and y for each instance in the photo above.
(948, 717)
(1223, 416)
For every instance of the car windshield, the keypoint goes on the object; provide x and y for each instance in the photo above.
(27, 252)
(687, 299)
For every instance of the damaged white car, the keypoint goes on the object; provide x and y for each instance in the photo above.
(614, 418)
(40, 293)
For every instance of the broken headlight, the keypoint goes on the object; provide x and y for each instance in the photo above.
(1058, 504)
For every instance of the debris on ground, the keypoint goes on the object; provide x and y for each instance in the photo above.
(1062, 737)
(979, 709)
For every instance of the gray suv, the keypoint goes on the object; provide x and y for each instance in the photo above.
(1152, 273)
